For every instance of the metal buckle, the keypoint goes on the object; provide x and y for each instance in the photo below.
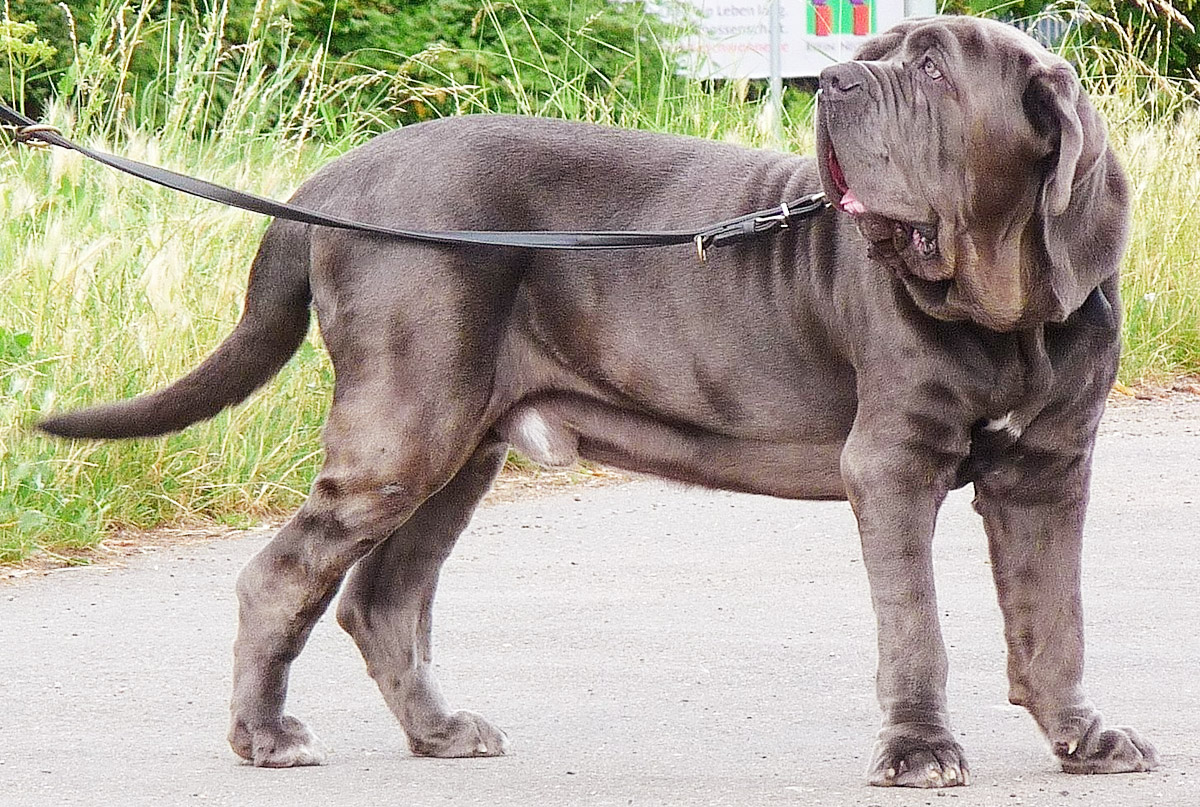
(781, 217)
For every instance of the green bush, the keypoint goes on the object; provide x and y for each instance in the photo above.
(503, 55)
(525, 51)
(428, 57)
(1164, 34)
(26, 57)
(1158, 32)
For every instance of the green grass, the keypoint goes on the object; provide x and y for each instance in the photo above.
(109, 286)
(112, 287)
(1161, 279)
(1154, 127)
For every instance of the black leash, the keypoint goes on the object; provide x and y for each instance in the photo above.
(732, 230)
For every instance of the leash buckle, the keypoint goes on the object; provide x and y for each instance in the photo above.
(33, 135)
(782, 217)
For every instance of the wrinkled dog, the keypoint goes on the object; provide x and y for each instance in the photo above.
(952, 321)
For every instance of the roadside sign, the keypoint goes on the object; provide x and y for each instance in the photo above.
(732, 38)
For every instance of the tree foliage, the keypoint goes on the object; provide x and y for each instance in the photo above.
(513, 54)
(1165, 34)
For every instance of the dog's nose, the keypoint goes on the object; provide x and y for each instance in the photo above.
(841, 80)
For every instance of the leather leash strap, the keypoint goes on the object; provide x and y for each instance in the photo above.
(719, 234)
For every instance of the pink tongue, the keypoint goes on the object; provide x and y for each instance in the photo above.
(851, 205)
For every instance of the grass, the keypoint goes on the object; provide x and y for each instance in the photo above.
(112, 287)
(1155, 126)
(1161, 278)
(109, 286)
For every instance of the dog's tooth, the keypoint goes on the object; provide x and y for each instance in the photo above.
(481, 748)
(891, 773)
(1071, 746)
(923, 244)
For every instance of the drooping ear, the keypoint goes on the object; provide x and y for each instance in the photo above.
(1060, 96)
(1084, 209)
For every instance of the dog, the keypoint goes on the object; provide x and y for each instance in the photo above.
(952, 320)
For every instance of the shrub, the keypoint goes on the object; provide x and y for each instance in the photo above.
(435, 56)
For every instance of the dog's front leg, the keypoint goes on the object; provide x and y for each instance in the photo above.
(896, 489)
(1033, 502)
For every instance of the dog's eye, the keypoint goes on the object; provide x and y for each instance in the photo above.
(931, 69)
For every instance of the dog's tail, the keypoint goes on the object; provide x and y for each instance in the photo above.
(274, 323)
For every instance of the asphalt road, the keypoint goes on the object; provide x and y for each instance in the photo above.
(642, 644)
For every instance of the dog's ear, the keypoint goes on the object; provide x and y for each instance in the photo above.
(882, 45)
(1084, 207)
(1054, 96)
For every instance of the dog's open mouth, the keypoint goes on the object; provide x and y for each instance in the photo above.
(847, 201)
(899, 239)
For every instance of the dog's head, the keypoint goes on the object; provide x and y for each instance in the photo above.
(977, 169)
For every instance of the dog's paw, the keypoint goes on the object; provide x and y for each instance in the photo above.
(925, 757)
(1101, 750)
(288, 744)
(461, 734)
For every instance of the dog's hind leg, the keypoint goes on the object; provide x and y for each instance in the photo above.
(375, 476)
(387, 607)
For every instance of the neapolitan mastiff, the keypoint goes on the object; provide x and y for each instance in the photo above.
(954, 321)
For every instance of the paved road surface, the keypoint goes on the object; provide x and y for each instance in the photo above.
(643, 644)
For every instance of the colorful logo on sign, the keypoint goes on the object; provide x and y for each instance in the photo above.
(828, 17)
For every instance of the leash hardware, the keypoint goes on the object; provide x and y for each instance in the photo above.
(764, 223)
(33, 135)
(702, 247)
(781, 217)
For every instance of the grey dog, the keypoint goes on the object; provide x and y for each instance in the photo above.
(953, 320)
